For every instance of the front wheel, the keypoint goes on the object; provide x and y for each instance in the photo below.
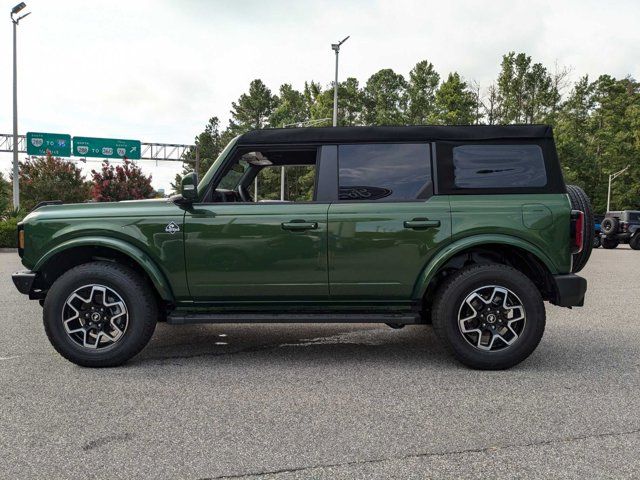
(99, 314)
(490, 317)
(635, 241)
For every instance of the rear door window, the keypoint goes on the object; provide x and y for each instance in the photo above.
(384, 172)
(498, 166)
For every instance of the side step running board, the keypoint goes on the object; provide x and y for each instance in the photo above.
(229, 317)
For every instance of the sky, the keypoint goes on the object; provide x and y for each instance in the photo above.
(156, 71)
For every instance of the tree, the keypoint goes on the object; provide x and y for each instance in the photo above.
(596, 135)
(490, 106)
(526, 91)
(350, 103)
(252, 110)
(122, 182)
(291, 108)
(5, 194)
(385, 98)
(421, 92)
(51, 178)
(210, 143)
(454, 103)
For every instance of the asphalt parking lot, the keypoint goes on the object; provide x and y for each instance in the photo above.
(332, 401)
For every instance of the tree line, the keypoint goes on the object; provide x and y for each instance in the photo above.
(596, 121)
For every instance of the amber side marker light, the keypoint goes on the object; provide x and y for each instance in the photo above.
(21, 239)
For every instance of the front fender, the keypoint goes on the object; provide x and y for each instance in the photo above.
(452, 249)
(140, 257)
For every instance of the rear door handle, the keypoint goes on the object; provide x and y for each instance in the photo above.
(299, 225)
(421, 223)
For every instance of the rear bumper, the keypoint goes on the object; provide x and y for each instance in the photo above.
(24, 281)
(570, 290)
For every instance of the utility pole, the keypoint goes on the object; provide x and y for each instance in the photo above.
(197, 158)
(16, 180)
(336, 48)
(613, 176)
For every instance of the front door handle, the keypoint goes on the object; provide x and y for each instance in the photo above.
(299, 225)
(421, 223)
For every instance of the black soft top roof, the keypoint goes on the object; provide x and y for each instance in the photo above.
(389, 134)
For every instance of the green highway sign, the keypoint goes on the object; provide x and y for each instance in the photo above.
(106, 148)
(59, 144)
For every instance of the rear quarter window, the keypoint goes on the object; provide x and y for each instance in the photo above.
(498, 166)
(495, 167)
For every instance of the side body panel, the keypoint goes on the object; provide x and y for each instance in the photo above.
(542, 220)
(372, 254)
(244, 252)
(536, 223)
(136, 229)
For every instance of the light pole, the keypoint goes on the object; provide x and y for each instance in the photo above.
(16, 185)
(613, 176)
(336, 48)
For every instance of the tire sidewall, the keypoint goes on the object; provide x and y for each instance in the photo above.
(114, 279)
(528, 340)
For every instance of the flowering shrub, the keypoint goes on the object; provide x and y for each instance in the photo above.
(120, 182)
(51, 178)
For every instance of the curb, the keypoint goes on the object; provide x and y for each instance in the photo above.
(8, 250)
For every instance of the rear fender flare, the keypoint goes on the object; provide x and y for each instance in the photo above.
(452, 249)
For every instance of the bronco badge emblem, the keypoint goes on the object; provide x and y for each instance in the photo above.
(172, 228)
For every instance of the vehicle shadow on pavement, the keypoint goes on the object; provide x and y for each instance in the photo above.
(299, 344)
(292, 342)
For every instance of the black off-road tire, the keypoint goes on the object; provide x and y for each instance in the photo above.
(597, 242)
(609, 243)
(609, 226)
(580, 201)
(451, 296)
(138, 298)
(635, 241)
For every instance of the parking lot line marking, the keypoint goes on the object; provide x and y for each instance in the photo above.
(10, 358)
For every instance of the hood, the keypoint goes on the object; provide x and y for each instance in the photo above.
(147, 208)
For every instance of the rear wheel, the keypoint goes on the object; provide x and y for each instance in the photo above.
(635, 241)
(580, 201)
(609, 243)
(99, 314)
(490, 317)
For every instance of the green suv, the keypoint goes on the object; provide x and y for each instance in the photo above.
(468, 228)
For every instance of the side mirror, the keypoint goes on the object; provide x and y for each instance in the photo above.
(189, 187)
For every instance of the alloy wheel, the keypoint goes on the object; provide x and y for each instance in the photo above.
(95, 316)
(491, 318)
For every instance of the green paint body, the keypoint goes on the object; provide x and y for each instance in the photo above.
(239, 256)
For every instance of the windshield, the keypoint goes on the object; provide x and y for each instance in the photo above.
(206, 178)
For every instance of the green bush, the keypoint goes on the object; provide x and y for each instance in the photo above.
(9, 233)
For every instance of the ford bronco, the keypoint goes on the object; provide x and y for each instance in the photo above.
(467, 228)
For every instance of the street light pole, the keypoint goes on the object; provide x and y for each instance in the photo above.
(336, 48)
(16, 180)
(613, 176)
